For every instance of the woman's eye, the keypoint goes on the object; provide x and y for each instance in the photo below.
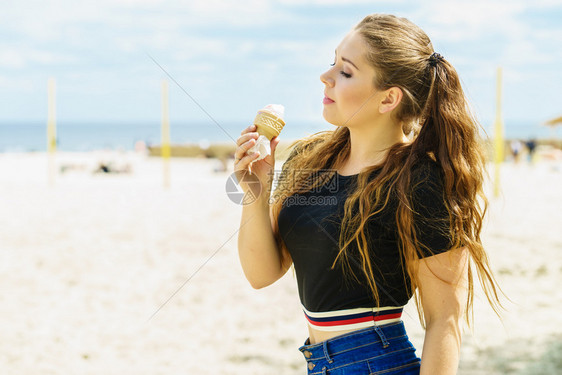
(346, 75)
(332, 64)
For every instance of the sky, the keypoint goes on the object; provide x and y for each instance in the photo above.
(226, 59)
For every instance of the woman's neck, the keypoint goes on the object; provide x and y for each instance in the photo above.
(370, 145)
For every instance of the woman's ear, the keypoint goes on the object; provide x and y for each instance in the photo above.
(391, 99)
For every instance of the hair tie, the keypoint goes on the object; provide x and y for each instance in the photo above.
(434, 59)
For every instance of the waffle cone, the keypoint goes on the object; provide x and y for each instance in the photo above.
(268, 124)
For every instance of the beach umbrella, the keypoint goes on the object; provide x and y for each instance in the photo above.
(554, 122)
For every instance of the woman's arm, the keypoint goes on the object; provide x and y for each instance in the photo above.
(443, 282)
(262, 260)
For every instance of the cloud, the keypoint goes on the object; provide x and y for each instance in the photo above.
(526, 52)
(333, 2)
(50, 20)
(19, 58)
(459, 20)
(187, 30)
(484, 34)
(253, 47)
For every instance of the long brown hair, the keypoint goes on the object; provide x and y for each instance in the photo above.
(435, 112)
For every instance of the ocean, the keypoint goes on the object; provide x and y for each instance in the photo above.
(80, 137)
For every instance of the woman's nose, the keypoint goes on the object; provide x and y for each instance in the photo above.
(326, 79)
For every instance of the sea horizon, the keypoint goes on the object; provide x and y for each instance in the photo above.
(30, 136)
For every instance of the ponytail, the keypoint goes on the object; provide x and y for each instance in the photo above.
(450, 133)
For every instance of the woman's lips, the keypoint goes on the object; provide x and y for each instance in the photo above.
(327, 100)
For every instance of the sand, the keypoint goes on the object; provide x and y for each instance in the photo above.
(114, 274)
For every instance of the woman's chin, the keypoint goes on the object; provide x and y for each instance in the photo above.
(331, 120)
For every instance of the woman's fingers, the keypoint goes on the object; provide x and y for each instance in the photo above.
(248, 129)
(246, 140)
(245, 137)
(274, 143)
(243, 148)
(245, 161)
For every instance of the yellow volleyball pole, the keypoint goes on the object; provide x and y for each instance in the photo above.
(51, 129)
(499, 144)
(165, 152)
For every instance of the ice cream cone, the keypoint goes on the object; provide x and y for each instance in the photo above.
(268, 123)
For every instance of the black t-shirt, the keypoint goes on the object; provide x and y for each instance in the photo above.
(309, 224)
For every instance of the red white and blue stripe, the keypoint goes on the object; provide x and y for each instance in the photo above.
(353, 318)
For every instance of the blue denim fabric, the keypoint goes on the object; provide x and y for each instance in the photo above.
(384, 350)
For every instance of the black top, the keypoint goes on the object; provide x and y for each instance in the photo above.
(309, 224)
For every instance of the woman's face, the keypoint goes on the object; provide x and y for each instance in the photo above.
(349, 91)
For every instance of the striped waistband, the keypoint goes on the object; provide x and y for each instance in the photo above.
(353, 318)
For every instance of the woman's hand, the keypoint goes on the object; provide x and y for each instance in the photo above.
(262, 169)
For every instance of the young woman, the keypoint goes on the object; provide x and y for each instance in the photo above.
(390, 205)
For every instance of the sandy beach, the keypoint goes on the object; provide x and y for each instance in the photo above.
(114, 274)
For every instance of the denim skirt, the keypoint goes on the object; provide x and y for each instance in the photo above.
(375, 350)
